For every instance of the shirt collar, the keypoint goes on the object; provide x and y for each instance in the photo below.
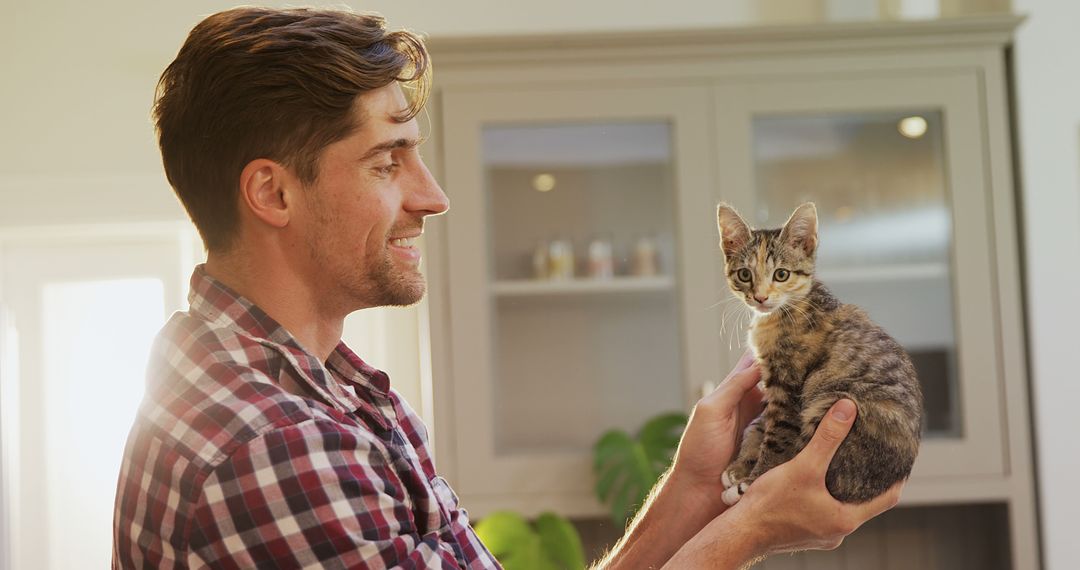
(222, 306)
(217, 303)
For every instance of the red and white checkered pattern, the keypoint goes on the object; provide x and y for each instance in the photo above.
(226, 469)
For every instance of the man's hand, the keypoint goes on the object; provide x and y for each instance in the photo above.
(791, 504)
(788, 508)
(688, 498)
(712, 436)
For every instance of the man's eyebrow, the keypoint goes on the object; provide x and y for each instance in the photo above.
(391, 145)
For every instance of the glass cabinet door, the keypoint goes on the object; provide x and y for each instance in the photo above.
(584, 309)
(878, 179)
(572, 268)
(895, 170)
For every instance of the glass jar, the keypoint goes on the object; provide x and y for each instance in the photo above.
(645, 258)
(560, 259)
(601, 260)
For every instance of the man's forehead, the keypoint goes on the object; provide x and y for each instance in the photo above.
(376, 127)
(382, 104)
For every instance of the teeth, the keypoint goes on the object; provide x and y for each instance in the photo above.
(403, 242)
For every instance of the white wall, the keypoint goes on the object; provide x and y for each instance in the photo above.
(1048, 93)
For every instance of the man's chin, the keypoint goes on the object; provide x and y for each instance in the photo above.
(404, 293)
(409, 299)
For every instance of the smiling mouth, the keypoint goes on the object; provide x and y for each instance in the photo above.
(404, 248)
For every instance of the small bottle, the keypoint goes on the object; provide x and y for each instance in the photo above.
(645, 262)
(560, 260)
(540, 264)
(601, 261)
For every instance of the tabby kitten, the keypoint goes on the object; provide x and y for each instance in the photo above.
(814, 350)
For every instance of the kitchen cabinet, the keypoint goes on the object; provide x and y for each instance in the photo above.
(898, 131)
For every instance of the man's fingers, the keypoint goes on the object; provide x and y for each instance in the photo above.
(740, 382)
(883, 503)
(745, 361)
(731, 391)
(831, 432)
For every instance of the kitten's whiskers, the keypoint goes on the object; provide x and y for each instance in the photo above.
(730, 308)
(795, 308)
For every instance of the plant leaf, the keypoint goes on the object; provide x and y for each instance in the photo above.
(553, 545)
(561, 541)
(624, 476)
(505, 533)
(606, 480)
(611, 444)
(621, 473)
(627, 468)
(609, 456)
(643, 480)
(527, 555)
(660, 438)
(621, 506)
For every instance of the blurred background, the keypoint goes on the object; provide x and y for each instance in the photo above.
(575, 289)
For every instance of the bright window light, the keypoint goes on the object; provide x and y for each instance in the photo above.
(97, 337)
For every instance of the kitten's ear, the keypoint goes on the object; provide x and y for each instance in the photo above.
(734, 233)
(801, 228)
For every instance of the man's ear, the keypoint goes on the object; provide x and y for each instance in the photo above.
(801, 228)
(263, 191)
(734, 233)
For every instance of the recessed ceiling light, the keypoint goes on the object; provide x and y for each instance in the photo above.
(543, 182)
(912, 127)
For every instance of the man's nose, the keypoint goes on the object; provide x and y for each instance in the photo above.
(427, 196)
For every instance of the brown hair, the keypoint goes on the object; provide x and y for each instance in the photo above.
(265, 83)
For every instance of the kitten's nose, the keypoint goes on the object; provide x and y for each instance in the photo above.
(760, 298)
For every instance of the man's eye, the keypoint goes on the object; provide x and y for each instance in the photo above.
(387, 169)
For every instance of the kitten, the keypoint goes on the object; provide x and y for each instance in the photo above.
(814, 350)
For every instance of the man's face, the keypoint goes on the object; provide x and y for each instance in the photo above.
(367, 207)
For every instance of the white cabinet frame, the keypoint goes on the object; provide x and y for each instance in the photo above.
(980, 448)
(560, 480)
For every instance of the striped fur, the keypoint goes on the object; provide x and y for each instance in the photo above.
(814, 350)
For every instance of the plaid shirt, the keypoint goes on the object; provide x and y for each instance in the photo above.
(226, 469)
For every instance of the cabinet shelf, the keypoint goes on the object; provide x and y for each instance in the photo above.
(536, 287)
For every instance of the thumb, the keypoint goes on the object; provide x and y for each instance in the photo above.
(734, 387)
(831, 432)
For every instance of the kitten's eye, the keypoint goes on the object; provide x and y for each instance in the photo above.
(744, 275)
(781, 275)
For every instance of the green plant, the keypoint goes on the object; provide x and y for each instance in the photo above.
(627, 468)
(550, 543)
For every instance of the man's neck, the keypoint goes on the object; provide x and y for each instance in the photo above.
(289, 300)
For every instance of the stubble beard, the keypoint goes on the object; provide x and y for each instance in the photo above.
(379, 285)
(387, 287)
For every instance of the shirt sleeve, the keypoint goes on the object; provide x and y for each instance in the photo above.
(310, 495)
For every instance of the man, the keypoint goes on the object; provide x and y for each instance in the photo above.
(263, 441)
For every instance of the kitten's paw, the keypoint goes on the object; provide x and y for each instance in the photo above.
(727, 479)
(731, 495)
